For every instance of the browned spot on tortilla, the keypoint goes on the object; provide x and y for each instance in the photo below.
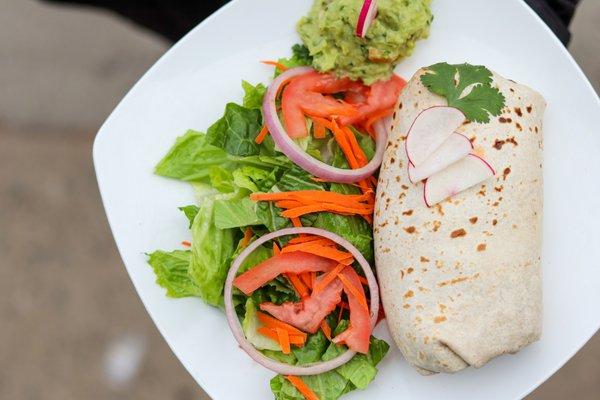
(404, 187)
(423, 289)
(398, 178)
(439, 319)
(401, 195)
(458, 233)
(505, 173)
(503, 120)
(512, 141)
(386, 250)
(519, 127)
(426, 339)
(535, 128)
(511, 89)
(514, 226)
(498, 144)
(439, 263)
(419, 307)
(442, 307)
(408, 212)
(473, 220)
(410, 270)
(518, 111)
(401, 274)
(392, 160)
(481, 247)
(409, 294)
(383, 224)
(496, 203)
(436, 225)
(424, 259)
(494, 222)
(406, 306)
(439, 209)
(453, 281)
(499, 188)
(481, 191)
(529, 108)
(410, 229)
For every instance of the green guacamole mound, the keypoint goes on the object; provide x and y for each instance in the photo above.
(329, 33)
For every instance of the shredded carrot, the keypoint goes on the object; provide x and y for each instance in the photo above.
(302, 387)
(306, 279)
(326, 329)
(323, 121)
(284, 340)
(311, 197)
(298, 285)
(300, 211)
(248, 233)
(358, 152)
(319, 130)
(276, 64)
(313, 279)
(319, 250)
(296, 340)
(307, 238)
(342, 141)
(186, 243)
(296, 222)
(262, 134)
(354, 291)
(271, 322)
(328, 278)
(276, 249)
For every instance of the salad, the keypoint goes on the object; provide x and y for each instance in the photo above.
(282, 235)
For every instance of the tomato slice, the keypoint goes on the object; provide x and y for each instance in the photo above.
(293, 262)
(381, 96)
(308, 314)
(305, 94)
(358, 334)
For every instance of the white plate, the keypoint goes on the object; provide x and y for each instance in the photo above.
(189, 87)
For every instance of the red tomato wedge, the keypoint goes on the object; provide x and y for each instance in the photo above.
(305, 94)
(294, 262)
(357, 336)
(381, 96)
(308, 314)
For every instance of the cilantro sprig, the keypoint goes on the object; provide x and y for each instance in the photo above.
(466, 87)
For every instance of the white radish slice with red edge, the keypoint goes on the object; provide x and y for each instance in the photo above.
(453, 149)
(366, 16)
(456, 178)
(429, 130)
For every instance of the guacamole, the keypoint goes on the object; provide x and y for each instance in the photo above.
(328, 32)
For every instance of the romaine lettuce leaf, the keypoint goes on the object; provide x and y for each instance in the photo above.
(171, 269)
(211, 252)
(296, 178)
(312, 350)
(250, 324)
(190, 158)
(253, 95)
(236, 130)
(235, 213)
(190, 212)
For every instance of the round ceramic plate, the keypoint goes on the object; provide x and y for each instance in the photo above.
(189, 87)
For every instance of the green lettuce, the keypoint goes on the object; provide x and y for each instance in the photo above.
(236, 130)
(171, 269)
(212, 248)
(250, 324)
(235, 213)
(253, 95)
(190, 212)
(190, 158)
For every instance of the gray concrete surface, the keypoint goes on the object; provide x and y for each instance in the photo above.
(71, 325)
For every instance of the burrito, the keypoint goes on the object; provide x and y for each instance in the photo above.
(460, 275)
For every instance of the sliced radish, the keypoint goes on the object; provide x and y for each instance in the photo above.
(459, 176)
(453, 149)
(366, 16)
(429, 130)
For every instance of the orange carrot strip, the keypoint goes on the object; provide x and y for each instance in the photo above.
(305, 278)
(271, 322)
(262, 134)
(342, 141)
(328, 278)
(300, 211)
(326, 329)
(288, 203)
(272, 334)
(352, 289)
(363, 280)
(298, 285)
(276, 249)
(302, 387)
(307, 238)
(276, 64)
(284, 340)
(296, 222)
(247, 237)
(319, 130)
(359, 154)
(310, 196)
(186, 243)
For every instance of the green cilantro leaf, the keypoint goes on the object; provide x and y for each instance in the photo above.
(466, 87)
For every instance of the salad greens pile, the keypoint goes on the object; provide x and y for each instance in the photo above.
(225, 165)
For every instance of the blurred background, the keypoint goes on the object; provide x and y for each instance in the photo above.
(71, 325)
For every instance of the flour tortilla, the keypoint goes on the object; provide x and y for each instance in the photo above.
(461, 281)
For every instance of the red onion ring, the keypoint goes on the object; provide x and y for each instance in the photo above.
(236, 328)
(301, 158)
